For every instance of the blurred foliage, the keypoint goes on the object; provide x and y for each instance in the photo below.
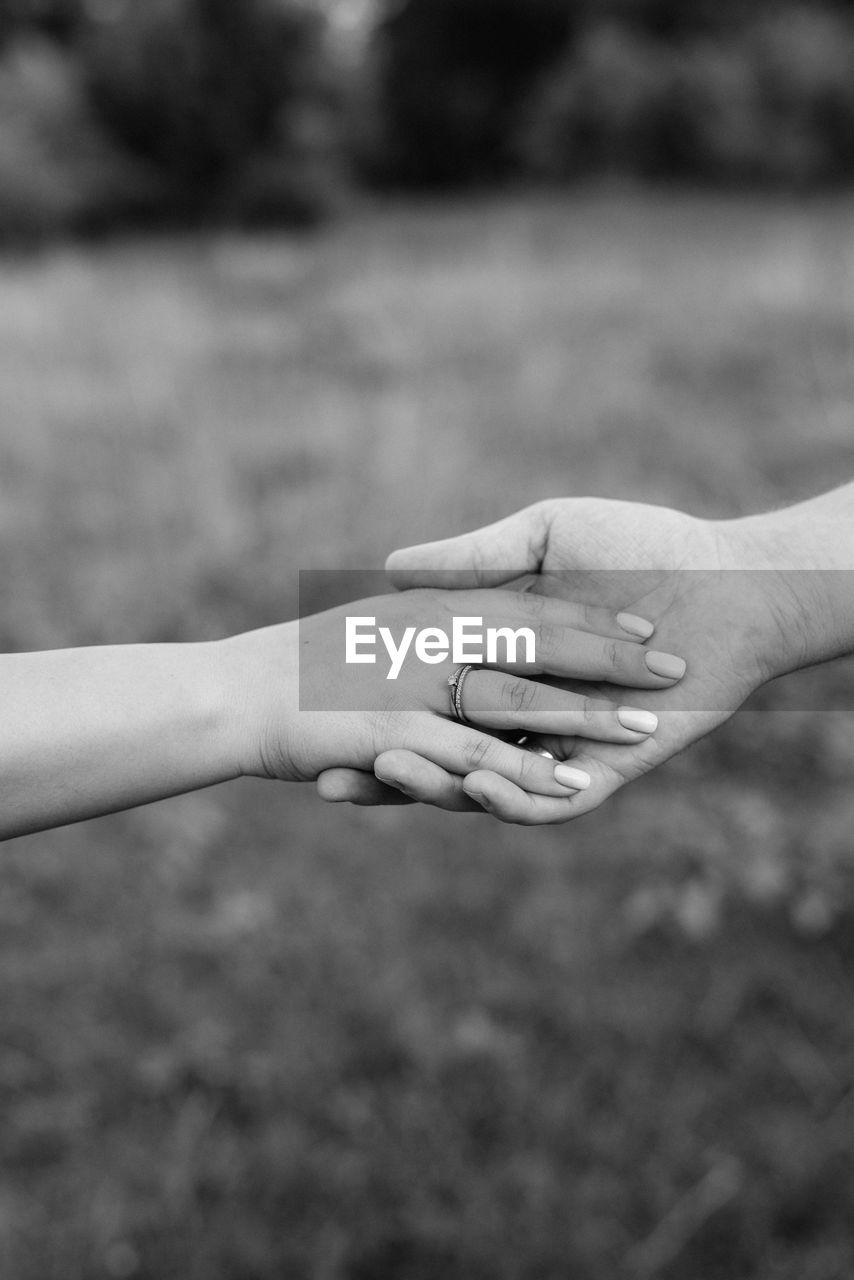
(59, 172)
(774, 105)
(260, 112)
(172, 111)
(215, 96)
(59, 19)
(468, 90)
(449, 80)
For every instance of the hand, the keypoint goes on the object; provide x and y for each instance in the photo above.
(735, 629)
(298, 725)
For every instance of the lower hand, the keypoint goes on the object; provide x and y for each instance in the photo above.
(307, 710)
(735, 629)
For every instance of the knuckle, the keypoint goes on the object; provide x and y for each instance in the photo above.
(588, 617)
(532, 603)
(381, 730)
(477, 559)
(530, 770)
(614, 655)
(521, 696)
(387, 704)
(546, 639)
(476, 752)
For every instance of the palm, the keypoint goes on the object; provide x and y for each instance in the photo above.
(693, 611)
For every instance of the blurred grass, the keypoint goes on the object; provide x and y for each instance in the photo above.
(245, 1036)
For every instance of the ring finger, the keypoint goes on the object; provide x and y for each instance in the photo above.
(495, 700)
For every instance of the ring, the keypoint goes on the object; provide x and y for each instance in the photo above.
(526, 745)
(456, 683)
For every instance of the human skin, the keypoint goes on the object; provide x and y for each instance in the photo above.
(93, 730)
(743, 601)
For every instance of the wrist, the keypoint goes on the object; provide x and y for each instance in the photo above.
(804, 608)
(260, 698)
(218, 700)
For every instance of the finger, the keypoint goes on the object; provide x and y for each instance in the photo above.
(493, 700)
(462, 749)
(353, 786)
(537, 611)
(509, 803)
(487, 557)
(559, 650)
(424, 781)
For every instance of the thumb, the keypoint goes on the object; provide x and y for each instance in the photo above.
(485, 558)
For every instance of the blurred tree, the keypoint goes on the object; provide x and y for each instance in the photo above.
(672, 19)
(771, 102)
(59, 174)
(59, 19)
(200, 88)
(449, 77)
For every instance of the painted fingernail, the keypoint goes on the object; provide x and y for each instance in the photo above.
(635, 626)
(569, 777)
(666, 665)
(638, 721)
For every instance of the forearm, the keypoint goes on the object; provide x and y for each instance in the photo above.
(816, 534)
(93, 730)
(805, 556)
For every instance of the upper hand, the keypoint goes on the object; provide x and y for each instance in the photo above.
(734, 628)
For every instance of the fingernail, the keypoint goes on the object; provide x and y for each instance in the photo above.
(397, 783)
(483, 801)
(636, 626)
(639, 721)
(666, 665)
(569, 777)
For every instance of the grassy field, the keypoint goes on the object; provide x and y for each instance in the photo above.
(245, 1036)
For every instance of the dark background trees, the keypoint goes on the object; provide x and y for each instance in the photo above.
(201, 111)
